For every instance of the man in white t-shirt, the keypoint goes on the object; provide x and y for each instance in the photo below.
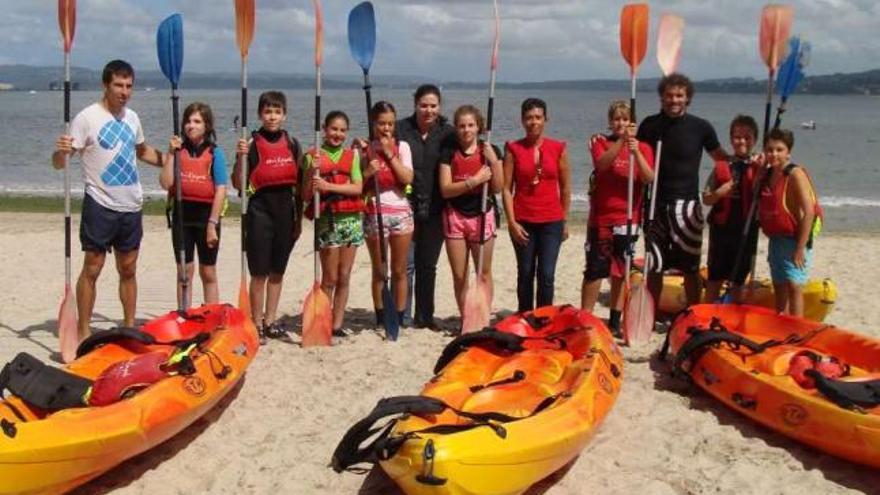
(109, 139)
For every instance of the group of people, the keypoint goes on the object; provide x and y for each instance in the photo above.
(425, 178)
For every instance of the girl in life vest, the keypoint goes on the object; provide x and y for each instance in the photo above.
(463, 171)
(203, 188)
(387, 171)
(337, 177)
(790, 216)
(729, 192)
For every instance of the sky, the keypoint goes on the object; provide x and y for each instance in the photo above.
(443, 40)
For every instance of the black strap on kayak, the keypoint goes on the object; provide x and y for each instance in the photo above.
(703, 338)
(502, 340)
(518, 376)
(856, 396)
(117, 334)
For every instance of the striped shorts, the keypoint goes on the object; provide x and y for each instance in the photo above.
(675, 239)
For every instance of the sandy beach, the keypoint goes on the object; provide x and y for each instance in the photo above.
(276, 433)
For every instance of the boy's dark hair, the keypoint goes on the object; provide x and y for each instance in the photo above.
(379, 108)
(676, 80)
(424, 90)
(272, 99)
(783, 135)
(119, 68)
(745, 121)
(207, 116)
(531, 104)
(470, 110)
(336, 114)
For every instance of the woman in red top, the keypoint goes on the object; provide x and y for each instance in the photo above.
(607, 244)
(536, 193)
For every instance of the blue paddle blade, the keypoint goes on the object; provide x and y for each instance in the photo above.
(169, 46)
(389, 315)
(362, 34)
(791, 71)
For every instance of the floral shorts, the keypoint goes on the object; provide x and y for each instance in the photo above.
(393, 223)
(340, 230)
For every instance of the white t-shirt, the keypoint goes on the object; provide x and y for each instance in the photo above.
(109, 157)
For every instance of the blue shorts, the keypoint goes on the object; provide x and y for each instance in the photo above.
(780, 254)
(102, 228)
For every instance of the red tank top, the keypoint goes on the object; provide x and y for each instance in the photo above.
(197, 183)
(537, 197)
(609, 188)
(775, 218)
(276, 165)
(336, 173)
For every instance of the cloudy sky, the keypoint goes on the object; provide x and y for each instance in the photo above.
(443, 39)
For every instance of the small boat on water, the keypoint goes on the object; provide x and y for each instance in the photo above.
(810, 124)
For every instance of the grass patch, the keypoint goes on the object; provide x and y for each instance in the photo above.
(52, 204)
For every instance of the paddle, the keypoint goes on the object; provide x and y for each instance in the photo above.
(317, 314)
(775, 26)
(362, 45)
(669, 37)
(633, 46)
(244, 33)
(791, 73)
(478, 300)
(169, 47)
(68, 335)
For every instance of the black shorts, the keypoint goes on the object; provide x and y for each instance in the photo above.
(269, 235)
(195, 237)
(724, 244)
(675, 238)
(605, 252)
(101, 228)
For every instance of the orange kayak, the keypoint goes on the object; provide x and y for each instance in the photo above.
(508, 406)
(54, 452)
(810, 381)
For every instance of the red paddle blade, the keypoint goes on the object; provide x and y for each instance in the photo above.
(497, 42)
(317, 318)
(634, 34)
(244, 25)
(669, 36)
(638, 314)
(475, 313)
(67, 22)
(68, 334)
(319, 33)
(775, 28)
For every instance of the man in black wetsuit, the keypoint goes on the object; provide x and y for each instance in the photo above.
(675, 238)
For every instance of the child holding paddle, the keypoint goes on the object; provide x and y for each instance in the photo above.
(606, 244)
(790, 215)
(339, 229)
(203, 188)
(388, 171)
(274, 210)
(463, 170)
(728, 191)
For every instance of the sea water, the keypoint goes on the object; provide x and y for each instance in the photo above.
(841, 152)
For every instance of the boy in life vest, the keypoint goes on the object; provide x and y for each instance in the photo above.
(339, 181)
(606, 244)
(729, 192)
(203, 179)
(790, 216)
(274, 210)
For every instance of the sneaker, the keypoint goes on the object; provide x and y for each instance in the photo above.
(261, 333)
(274, 330)
(430, 325)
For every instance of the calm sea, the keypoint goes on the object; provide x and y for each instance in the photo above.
(841, 153)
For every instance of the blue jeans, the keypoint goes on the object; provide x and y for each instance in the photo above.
(539, 254)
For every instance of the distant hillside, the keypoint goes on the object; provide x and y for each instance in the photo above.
(26, 77)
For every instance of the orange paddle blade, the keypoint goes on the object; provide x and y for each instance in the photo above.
(317, 317)
(68, 334)
(496, 44)
(67, 22)
(477, 303)
(244, 25)
(319, 33)
(244, 299)
(669, 36)
(638, 314)
(634, 34)
(775, 28)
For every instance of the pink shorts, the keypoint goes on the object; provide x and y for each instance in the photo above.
(459, 226)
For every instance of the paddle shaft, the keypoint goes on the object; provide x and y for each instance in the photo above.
(382, 254)
(490, 110)
(182, 279)
(317, 163)
(630, 186)
(779, 111)
(67, 228)
(243, 168)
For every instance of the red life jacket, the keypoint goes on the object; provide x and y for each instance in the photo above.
(774, 216)
(827, 366)
(195, 176)
(386, 177)
(537, 196)
(336, 173)
(276, 164)
(721, 210)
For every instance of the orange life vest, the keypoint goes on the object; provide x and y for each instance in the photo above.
(774, 216)
(276, 164)
(197, 182)
(337, 173)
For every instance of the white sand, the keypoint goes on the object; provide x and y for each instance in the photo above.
(278, 431)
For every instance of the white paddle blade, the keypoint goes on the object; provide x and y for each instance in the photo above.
(669, 36)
